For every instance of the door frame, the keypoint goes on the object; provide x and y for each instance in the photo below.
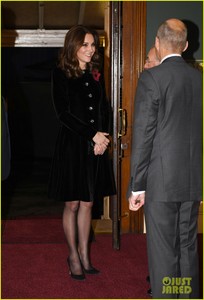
(115, 93)
(128, 53)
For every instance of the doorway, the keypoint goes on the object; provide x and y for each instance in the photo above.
(125, 33)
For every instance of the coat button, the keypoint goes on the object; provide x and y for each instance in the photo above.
(92, 121)
(90, 107)
(86, 84)
(90, 95)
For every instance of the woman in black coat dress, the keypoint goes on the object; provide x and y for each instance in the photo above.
(81, 167)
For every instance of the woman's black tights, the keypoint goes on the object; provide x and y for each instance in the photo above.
(77, 224)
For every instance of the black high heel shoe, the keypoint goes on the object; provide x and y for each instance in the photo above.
(75, 276)
(92, 270)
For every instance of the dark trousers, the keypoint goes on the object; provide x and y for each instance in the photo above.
(172, 249)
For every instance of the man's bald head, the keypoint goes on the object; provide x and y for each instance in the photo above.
(171, 38)
(172, 35)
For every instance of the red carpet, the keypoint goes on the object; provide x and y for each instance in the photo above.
(34, 256)
(35, 230)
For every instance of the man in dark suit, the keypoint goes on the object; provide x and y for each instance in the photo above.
(166, 164)
(150, 62)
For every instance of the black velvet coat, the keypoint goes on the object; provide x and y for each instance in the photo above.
(82, 109)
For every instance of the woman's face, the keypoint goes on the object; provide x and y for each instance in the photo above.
(85, 53)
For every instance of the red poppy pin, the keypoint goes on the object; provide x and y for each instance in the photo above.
(96, 75)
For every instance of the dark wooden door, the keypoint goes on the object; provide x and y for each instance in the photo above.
(133, 58)
(127, 56)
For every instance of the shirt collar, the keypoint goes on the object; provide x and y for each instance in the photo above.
(170, 55)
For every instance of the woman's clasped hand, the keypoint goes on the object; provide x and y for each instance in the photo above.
(101, 142)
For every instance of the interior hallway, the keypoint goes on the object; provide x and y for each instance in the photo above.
(24, 193)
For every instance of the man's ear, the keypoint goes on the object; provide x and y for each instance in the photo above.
(185, 46)
(157, 43)
(157, 48)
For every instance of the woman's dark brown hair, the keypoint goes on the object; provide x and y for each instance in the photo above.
(74, 39)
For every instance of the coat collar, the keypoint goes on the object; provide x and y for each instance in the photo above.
(170, 55)
(173, 58)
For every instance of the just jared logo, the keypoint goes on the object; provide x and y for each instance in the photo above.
(176, 285)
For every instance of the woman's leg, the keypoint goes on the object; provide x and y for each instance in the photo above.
(70, 229)
(84, 226)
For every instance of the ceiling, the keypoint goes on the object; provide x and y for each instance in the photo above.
(52, 14)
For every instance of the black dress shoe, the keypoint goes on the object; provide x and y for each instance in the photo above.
(148, 279)
(149, 292)
(75, 276)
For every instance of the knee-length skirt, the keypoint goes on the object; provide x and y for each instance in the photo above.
(76, 173)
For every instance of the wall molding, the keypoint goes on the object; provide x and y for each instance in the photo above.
(37, 38)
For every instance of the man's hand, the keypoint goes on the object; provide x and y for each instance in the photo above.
(136, 201)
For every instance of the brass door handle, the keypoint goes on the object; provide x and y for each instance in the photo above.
(122, 122)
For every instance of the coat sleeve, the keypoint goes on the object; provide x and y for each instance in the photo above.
(60, 101)
(144, 128)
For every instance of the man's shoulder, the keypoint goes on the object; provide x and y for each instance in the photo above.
(177, 64)
(194, 69)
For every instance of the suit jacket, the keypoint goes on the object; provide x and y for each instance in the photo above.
(166, 158)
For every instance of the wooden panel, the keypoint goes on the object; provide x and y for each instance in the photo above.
(52, 14)
(134, 52)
